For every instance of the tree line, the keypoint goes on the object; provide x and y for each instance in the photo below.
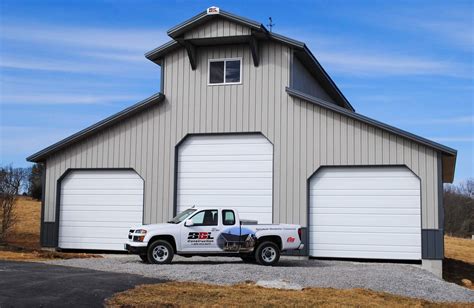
(459, 209)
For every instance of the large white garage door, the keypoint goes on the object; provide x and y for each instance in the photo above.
(97, 208)
(227, 171)
(371, 212)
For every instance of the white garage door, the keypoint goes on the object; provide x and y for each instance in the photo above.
(97, 208)
(227, 171)
(365, 213)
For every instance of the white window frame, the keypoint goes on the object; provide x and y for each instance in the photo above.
(224, 60)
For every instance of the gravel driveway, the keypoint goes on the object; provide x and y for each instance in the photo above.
(402, 279)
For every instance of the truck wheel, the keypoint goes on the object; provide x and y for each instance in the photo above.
(249, 258)
(144, 258)
(267, 253)
(160, 252)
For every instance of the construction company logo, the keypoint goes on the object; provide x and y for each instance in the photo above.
(290, 239)
(200, 238)
(212, 10)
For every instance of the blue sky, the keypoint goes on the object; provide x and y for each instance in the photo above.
(67, 64)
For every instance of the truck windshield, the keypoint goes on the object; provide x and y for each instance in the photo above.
(181, 216)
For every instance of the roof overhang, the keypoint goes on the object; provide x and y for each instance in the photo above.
(448, 154)
(42, 155)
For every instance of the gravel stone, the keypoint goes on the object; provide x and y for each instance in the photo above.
(401, 279)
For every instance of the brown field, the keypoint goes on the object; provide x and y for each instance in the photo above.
(188, 294)
(459, 261)
(23, 242)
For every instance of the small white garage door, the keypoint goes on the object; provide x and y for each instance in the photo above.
(227, 171)
(97, 208)
(371, 212)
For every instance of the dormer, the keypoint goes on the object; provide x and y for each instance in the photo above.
(215, 27)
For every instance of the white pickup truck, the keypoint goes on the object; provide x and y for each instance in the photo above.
(213, 232)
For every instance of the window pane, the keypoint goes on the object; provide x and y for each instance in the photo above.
(205, 218)
(229, 218)
(232, 71)
(216, 72)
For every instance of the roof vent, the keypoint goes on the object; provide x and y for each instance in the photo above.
(212, 10)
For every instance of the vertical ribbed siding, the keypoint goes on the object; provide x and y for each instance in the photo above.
(217, 27)
(304, 136)
(333, 139)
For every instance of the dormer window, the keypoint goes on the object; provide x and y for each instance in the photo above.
(225, 71)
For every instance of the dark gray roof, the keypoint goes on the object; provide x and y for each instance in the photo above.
(313, 66)
(43, 154)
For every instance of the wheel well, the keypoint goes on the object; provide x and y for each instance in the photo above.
(169, 238)
(271, 238)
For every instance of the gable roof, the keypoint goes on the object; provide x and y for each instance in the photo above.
(260, 32)
(107, 122)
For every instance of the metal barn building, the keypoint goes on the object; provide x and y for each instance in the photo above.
(248, 118)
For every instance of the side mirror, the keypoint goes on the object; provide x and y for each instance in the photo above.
(189, 223)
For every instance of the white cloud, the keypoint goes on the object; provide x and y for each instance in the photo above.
(65, 99)
(383, 63)
(141, 40)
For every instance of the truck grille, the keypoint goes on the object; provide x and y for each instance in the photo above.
(130, 234)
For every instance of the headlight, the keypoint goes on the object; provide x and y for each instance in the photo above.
(140, 231)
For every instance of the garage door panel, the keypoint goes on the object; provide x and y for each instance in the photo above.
(224, 200)
(381, 210)
(227, 171)
(365, 201)
(365, 212)
(328, 253)
(109, 199)
(226, 183)
(241, 157)
(97, 208)
(366, 172)
(226, 166)
(102, 192)
(103, 184)
(92, 233)
(379, 220)
(366, 184)
(366, 229)
(369, 239)
(100, 215)
(225, 175)
(105, 208)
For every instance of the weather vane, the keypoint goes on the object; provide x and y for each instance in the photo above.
(271, 24)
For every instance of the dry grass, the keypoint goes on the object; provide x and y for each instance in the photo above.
(459, 261)
(176, 294)
(23, 242)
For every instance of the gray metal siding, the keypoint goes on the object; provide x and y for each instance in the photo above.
(303, 81)
(305, 136)
(217, 27)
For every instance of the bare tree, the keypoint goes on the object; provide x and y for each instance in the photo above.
(11, 181)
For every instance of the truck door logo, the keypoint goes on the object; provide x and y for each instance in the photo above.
(200, 236)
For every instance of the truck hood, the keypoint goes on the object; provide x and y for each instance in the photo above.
(154, 227)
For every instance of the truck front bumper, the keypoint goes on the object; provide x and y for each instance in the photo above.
(136, 250)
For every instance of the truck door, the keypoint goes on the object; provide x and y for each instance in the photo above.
(203, 234)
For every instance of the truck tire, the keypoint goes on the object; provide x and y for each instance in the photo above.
(248, 258)
(144, 258)
(160, 252)
(267, 253)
